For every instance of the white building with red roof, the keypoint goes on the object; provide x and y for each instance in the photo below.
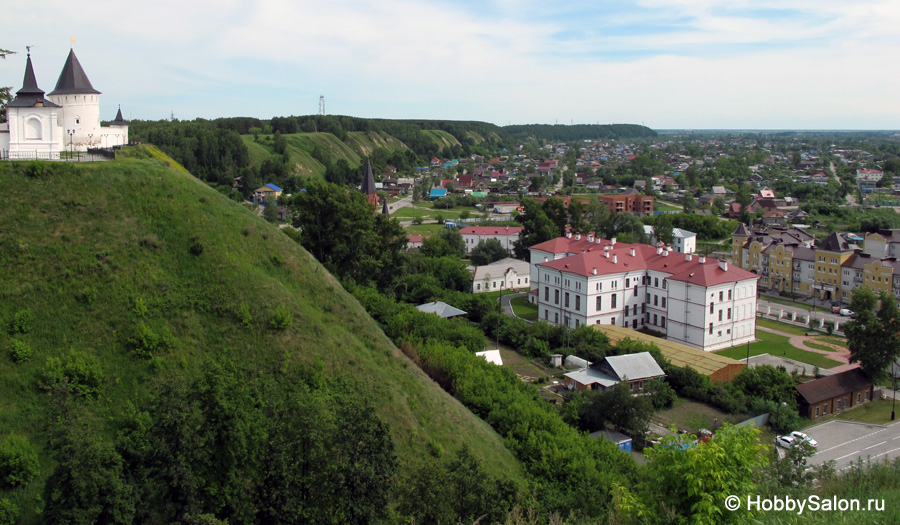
(507, 235)
(702, 303)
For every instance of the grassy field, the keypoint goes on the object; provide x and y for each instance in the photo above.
(425, 230)
(95, 249)
(521, 365)
(692, 416)
(819, 346)
(777, 345)
(523, 308)
(781, 327)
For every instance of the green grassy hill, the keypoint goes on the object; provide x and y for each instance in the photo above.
(441, 138)
(359, 144)
(95, 251)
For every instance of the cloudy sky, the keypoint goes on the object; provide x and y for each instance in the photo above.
(696, 64)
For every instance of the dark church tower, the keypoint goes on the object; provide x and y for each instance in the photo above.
(368, 185)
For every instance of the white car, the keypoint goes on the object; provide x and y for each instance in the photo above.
(785, 441)
(847, 313)
(800, 436)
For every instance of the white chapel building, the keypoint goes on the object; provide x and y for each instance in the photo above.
(41, 126)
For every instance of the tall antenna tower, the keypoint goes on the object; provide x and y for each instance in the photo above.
(322, 105)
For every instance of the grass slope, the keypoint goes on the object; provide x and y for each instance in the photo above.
(358, 146)
(82, 245)
(441, 138)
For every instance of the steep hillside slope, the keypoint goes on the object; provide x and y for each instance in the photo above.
(96, 256)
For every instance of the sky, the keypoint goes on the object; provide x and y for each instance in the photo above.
(667, 64)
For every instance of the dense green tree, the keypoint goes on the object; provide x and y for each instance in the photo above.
(556, 211)
(448, 243)
(18, 461)
(688, 483)
(663, 229)
(578, 222)
(689, 204)
(537, 227)
(270, 211)
(767, 382)
(341, 230)
(615, 407)
(487, 251)
(88, 484)
(873, 338)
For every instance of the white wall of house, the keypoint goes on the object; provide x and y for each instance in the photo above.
(508, 280)
(712, 318)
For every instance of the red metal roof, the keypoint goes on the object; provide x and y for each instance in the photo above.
(491, 230)
(708, 273)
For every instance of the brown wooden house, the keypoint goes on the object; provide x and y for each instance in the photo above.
(834, 394)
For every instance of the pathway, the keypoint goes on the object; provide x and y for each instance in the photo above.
(842, 355)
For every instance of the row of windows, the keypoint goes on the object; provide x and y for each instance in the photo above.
(494, 284)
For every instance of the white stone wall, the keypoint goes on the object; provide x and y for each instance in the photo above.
(81, 114)
(34, 133)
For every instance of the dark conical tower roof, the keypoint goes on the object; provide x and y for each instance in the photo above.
(384, 209)
(29, 83)
(30, 95)
(119, 121)
(73, 80)
(368, 184)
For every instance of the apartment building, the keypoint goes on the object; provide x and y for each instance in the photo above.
(706, 304)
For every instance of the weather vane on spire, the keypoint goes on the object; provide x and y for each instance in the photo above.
(28, 49)
(72, 38)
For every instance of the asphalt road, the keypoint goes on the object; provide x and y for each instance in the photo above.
(846, 441)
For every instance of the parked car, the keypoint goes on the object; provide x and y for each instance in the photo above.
(785, 441)
(800, 436)
(847, 313)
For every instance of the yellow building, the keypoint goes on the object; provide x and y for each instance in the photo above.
(830, 256)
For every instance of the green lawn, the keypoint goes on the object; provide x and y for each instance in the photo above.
(692, 416)
(819, 346)
(424, 229)
(521, 365)
(878, 412)
(835, 340)
(523, 308)
(781, 327)
(777, 345)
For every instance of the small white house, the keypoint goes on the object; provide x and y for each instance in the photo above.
(684, 241)
(505, 274)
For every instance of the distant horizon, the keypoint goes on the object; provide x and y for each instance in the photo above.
(665, 64)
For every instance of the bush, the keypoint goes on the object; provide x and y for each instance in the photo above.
(88, 295)
(661, 394)
(282, 318)
(18, 461)
(276, 259)
(196, 247)
(9, 512)
(21, 322)
(146, 343)
(20, 351)
(78, 372)
(244, 315)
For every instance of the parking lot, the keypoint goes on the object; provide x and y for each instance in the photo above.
(845, 441)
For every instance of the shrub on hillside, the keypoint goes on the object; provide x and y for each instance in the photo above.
(78, 372)
(21, 322)
(20, 351)
(9, 512)
(18, 461)
(281, 319)
(146, 343)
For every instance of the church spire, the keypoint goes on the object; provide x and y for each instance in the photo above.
(119, 121)
(384, 209)
(368, 184)
(29, 83)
